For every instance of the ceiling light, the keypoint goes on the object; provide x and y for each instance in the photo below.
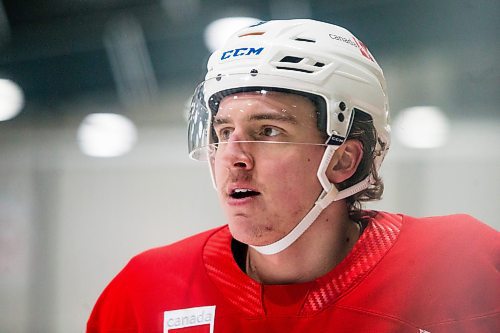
(421, 127)
(106, 135)
(217, 32)
(11, 99)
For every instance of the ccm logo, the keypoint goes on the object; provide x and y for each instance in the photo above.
(244, 51)
(335, 140)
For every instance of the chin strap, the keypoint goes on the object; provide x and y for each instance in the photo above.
(285, 242)
(327, 196)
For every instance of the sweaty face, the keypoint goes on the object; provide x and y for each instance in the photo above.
(265, 163)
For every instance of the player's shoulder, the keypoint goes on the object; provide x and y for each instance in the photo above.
(455, 229)
(449, 230)
(452, 258)
(180, 251)
(458, 222)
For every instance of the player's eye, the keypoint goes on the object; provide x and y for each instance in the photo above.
(223, 134)
(270, 131)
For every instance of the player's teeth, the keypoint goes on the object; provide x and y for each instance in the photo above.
(240, 193)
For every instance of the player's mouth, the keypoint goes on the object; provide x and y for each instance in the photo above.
(242, 193)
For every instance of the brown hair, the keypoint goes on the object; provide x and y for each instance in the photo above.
(363, 130)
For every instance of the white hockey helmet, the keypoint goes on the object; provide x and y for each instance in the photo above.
(299, 56)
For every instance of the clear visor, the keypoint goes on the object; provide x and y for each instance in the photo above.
(247, 115)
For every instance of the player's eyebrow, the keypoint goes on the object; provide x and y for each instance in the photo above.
(259, 116)
(274, 116)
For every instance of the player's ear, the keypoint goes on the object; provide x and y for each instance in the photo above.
(345, 161)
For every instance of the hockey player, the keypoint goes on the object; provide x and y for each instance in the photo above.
(292, 119)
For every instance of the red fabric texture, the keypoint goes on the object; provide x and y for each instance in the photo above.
(404, 274)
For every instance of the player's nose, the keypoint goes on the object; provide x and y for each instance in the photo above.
(237, 154)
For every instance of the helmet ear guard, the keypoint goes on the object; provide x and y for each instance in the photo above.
(339, 122)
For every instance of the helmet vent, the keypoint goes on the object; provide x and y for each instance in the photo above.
(295, 69)
(299, 64)
(291, 59)
(305, 40)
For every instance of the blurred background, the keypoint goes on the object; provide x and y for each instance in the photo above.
(93, 153)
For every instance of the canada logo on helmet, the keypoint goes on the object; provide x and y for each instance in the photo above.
(364, 50)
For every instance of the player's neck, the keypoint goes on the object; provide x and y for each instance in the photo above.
(315, 253)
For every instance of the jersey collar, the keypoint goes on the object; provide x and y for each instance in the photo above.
(247, 295)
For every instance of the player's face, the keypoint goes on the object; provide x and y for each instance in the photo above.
(265, 187)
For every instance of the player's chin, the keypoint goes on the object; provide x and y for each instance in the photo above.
(249, 234)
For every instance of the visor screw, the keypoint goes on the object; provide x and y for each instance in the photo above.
(341, 117)
(342, 106)
(254, 72)
(219, 77)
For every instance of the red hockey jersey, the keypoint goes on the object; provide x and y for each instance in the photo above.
(404, 274)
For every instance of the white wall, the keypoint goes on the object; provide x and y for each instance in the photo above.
(68, 222)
